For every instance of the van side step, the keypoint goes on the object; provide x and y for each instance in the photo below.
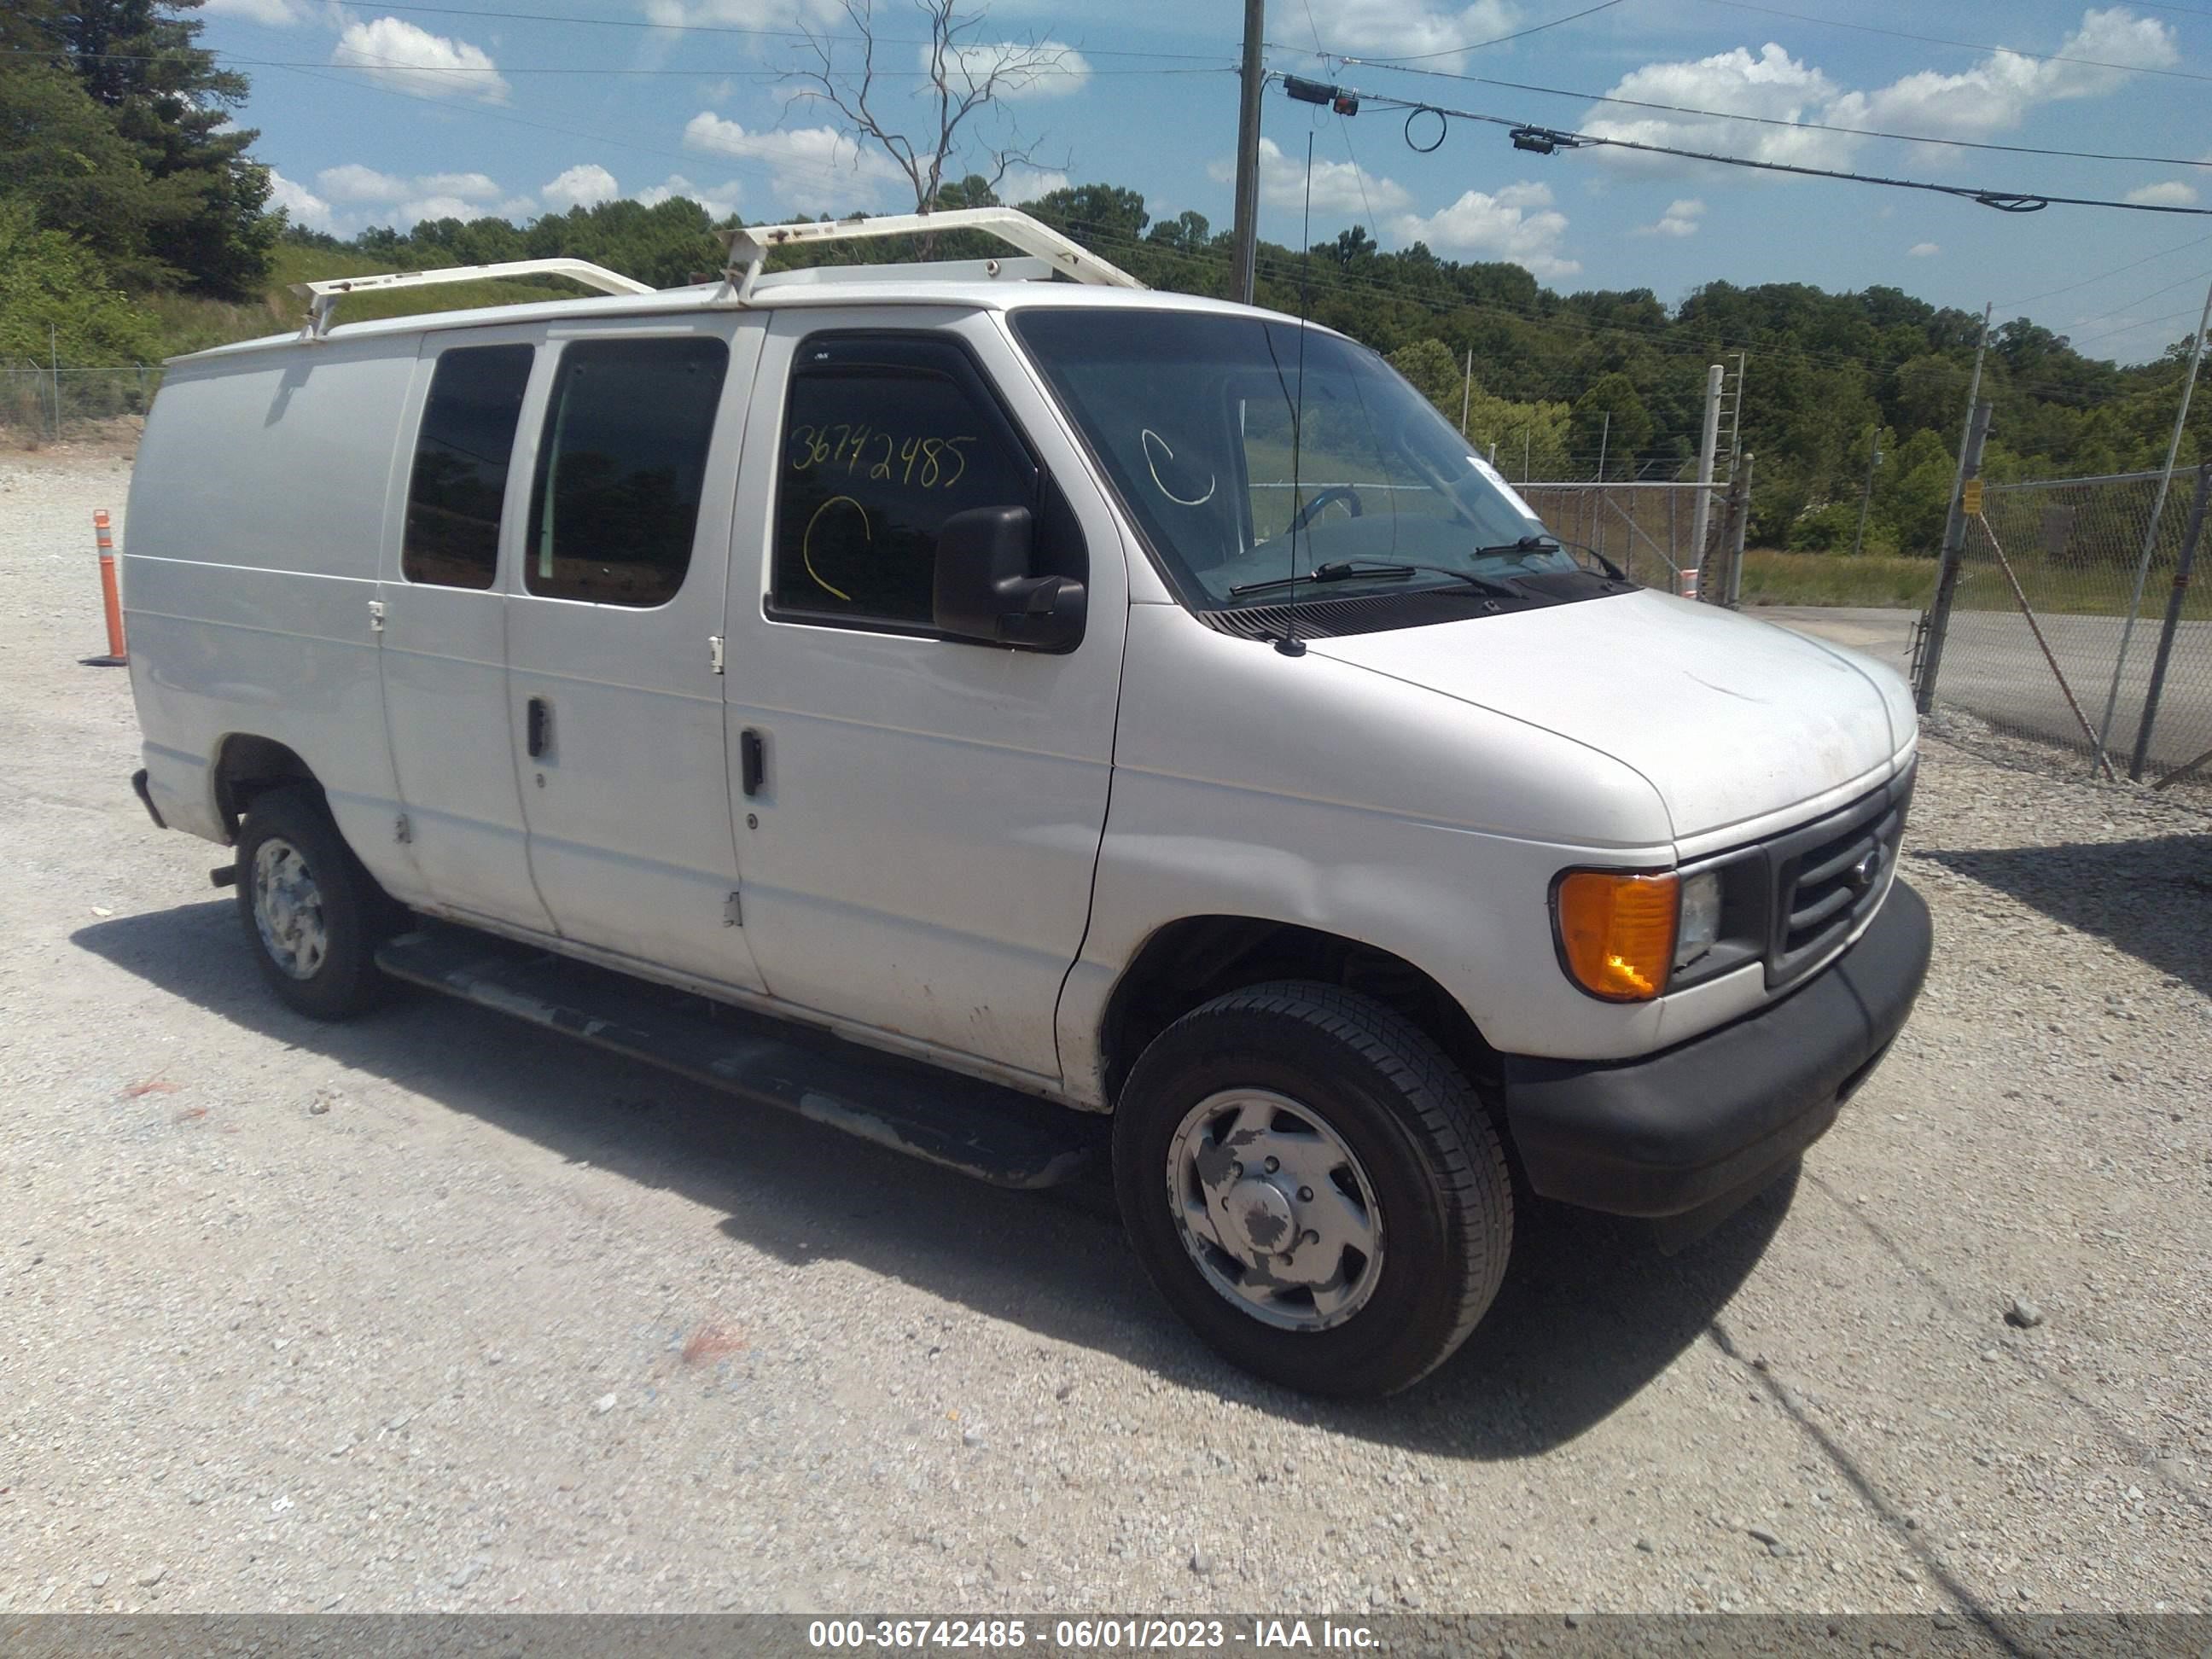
(993, 1134)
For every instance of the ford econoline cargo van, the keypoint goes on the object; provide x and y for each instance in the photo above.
(1044, 722)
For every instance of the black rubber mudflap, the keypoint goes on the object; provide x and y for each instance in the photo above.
(995, 1134)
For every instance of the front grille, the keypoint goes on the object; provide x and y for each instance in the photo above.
(1829, 876)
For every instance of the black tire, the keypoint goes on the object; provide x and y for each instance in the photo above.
(356, 915)
(1392, 1097)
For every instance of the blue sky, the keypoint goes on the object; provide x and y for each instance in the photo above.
(381, 114)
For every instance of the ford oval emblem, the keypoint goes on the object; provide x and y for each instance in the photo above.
(1865, 872)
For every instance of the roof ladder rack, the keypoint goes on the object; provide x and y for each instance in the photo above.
(750, 246)
(323, 297)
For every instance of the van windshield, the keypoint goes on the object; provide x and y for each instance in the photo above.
(1247, 456)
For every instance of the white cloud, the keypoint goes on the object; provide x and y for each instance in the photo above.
(356, 183)
(1045, 69)
(1337, 186)
(400, 55)
(436, 206)
(1401, 29)
(814, 169)
(720, 201)
(1922, 251)
(469, 186)
(1517, 223)
(305, 207)
(270, 14)
(585, 185)
(1993, 96)
(746, 13)
(2167, 192)
(1680, 219)
(1027, 184)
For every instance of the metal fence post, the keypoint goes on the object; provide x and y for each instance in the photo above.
(2174, 601)
(1743, 525)
(1954, 543)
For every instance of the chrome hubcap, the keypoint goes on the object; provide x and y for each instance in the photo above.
(1275, 1210)
(288, 909)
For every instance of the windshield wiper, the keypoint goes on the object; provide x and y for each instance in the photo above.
(1345, 570)
(1549, 543)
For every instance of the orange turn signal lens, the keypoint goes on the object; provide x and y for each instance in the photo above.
(1617, 931)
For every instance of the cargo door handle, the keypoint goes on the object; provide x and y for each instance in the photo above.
(752, 760)
(540, 726)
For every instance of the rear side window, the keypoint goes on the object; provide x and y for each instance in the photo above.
(616, 502)
(461, 456)
(884, 439)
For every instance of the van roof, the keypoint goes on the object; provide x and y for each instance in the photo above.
(884, 285)
(980, 284)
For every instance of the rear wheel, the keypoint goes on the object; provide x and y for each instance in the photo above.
(313, 916)
(1314, 1187)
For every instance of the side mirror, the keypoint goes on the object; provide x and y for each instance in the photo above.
(985, 591)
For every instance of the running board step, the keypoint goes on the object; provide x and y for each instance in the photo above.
(993, 1134)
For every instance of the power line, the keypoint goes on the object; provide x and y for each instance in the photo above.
(1544, 140)
(377, 62)
(1776, 121)
(2006, 305)
(1477, 45)
(1966, 45)
(753, 33)
(2186, 282)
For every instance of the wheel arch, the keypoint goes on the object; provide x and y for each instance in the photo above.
(247, 765)
(1194, 959)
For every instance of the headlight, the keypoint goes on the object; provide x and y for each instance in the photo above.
(1700, 924)
(1616, 931)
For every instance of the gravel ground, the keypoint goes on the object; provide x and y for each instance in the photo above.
(438, 1311)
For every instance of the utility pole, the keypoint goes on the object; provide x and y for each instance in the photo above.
(1467, 393)
(1248, 152)
(2150, 531)
(1954, 542)
(1707, 447)
(1604, 436)
(1866, 499)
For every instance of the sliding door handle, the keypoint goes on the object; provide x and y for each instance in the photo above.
(540, 727)
(752, 760)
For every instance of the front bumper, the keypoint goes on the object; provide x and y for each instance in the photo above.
(1716, 1116)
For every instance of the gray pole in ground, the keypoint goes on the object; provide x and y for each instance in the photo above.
(2173, 604)
(54, 361)
(1954, 542)
(1467, 395)
(2150, 532)
(1248, 152)
(1702, 517)
(1742, 524)
(1866, 497)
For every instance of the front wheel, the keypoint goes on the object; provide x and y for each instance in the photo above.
(1314, 1187)
(313, 916)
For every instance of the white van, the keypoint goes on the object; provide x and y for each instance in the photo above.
(1123, 703)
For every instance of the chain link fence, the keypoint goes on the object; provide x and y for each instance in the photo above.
(1649, 530)
(2048, 640)
(42, 404)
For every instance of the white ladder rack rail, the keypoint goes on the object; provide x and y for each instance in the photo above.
(751, 244)
(323, 297)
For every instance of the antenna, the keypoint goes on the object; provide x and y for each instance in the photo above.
(1290, 644)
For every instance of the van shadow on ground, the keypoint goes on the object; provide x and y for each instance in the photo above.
(1589, 1314)
(2151, 898)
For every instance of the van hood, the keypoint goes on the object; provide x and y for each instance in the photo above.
(1727, 717)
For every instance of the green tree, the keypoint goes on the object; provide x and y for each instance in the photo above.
(1428, 364)
(49, 281)
(1611, 417)
(169, 102)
